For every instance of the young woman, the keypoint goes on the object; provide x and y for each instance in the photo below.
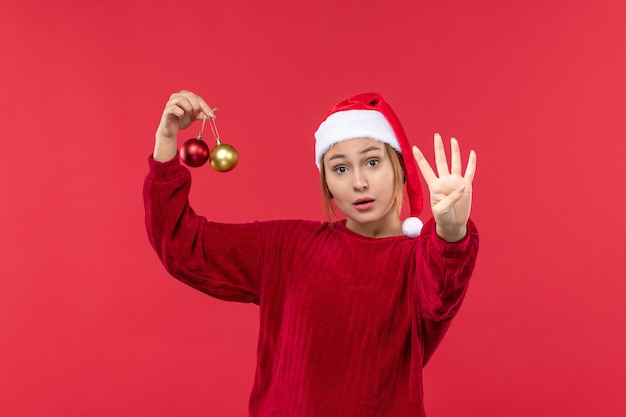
(350, 310)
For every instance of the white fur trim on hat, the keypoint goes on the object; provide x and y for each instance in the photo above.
(353, 124)
(412, 227)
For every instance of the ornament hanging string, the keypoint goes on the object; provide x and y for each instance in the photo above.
(202, 128)
(213, 127)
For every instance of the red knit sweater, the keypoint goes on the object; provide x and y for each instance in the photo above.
(347, 321)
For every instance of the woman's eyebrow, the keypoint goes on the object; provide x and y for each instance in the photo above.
(366, 150)
(371, 148)
(337, 156)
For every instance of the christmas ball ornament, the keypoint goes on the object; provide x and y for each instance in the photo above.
(195, 152)
(223, 157)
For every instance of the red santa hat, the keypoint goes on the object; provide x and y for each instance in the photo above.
(368, 115)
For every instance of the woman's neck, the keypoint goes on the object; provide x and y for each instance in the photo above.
(382, 228)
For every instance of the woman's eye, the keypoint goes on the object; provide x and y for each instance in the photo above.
(340, 170)
(373, 162)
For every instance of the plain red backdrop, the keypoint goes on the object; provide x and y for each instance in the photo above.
(92, 325)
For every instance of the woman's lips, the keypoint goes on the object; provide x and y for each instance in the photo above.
(363, 204)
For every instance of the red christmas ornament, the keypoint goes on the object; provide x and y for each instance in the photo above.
(195, 152)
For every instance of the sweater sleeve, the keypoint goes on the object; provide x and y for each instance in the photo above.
(222, 260)
(444, 270)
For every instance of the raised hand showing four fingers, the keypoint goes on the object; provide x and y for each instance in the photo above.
(450, 190)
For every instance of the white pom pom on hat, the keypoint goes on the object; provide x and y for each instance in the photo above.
(368, 115)
(412, 227)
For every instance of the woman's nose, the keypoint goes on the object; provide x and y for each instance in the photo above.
(360, 182)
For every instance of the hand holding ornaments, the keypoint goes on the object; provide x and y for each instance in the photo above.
(195, 152)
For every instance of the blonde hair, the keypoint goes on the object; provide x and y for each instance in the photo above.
(397, 163)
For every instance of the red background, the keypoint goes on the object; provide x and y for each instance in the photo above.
(92, 325)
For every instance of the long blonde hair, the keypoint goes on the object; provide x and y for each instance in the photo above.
(397, 163)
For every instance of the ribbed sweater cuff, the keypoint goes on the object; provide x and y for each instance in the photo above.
(164, 171)
(454, 249)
